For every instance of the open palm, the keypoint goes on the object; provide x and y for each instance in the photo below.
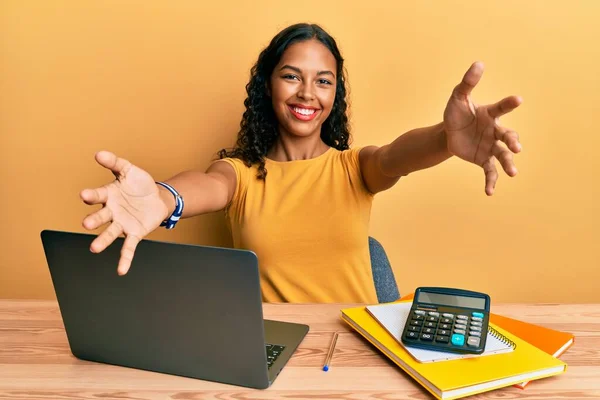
(131, 203)
(474, 132)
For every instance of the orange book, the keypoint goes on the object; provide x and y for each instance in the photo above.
(548, 340)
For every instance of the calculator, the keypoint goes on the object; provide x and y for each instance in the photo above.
(447, 319)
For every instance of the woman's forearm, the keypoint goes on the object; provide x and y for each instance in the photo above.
(414, 150)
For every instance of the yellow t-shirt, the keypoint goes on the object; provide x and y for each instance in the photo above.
(308, 224)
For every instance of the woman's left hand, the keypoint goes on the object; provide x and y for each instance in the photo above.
(474, 132)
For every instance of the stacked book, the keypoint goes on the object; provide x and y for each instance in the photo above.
(516, 352)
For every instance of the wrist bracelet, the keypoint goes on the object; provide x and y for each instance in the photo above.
(170, 222)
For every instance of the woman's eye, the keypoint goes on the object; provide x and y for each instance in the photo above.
(324, 82)
(289, 76)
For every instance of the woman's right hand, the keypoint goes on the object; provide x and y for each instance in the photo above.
(131, 203)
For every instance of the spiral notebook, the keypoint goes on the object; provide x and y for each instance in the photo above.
(454, 379)
(392, 317)
(549, 340)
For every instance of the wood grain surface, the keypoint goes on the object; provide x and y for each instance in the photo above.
(36, 362)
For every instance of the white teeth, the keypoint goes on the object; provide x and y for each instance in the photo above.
(304, 111)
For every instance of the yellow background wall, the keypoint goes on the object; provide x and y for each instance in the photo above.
(162, 84)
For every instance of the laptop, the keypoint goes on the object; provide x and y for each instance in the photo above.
(187, 310)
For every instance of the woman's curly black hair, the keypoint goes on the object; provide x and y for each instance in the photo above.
(258, 128)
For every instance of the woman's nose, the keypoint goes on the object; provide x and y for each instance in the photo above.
(306, 92)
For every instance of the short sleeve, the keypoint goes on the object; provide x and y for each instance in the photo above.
(242, 174)
(351, 160)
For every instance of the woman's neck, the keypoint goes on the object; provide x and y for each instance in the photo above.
(291, 148)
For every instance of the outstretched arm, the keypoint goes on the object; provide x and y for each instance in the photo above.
(421, 148)
(469, 131)
(134, 205)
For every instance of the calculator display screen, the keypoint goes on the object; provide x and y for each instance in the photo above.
(451, 300)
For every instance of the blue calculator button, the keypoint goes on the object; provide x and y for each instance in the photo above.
(458, 340)
(477, 314)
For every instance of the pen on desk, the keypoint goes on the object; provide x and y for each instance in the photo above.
(330, 353)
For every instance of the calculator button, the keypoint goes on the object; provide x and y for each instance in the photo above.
(460, 331)
(412, 335)
(447, 315)
(414, 328)
(446, 320)
(429, 330)
(444, 326)
(420, 312)
(458, 340)
(478, 319)
(441, 339)
(443, 332)
(462, 317)
(477, 315)
(430, 324)
(434, 319)
(473, 333)
(418, 317)
(460, 326)
(476, 328)
(475, 323)
(473, 341)
(434, 314)
(416, 323)
(427, 337)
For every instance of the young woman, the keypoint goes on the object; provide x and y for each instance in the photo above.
(293, 190)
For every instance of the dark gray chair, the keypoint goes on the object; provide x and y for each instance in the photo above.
(385, 282)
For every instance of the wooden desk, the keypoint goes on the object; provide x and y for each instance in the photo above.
(36, 363)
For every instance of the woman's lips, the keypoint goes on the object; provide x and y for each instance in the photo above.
(303, 114)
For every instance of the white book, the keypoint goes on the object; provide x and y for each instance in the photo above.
(393, 316)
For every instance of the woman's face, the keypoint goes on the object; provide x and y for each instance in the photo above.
(303, 88)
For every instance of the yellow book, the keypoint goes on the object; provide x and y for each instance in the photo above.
(462, 377)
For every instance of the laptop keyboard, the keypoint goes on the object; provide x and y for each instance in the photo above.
(273, 351)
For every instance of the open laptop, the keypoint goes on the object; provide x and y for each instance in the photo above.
(188, 310)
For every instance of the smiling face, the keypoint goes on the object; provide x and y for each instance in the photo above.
(302, 88)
